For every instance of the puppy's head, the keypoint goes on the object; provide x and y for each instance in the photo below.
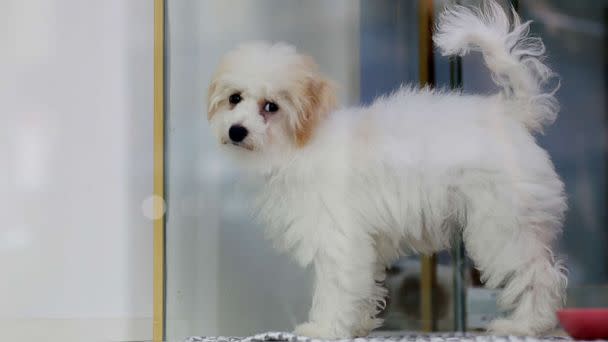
(267, 99)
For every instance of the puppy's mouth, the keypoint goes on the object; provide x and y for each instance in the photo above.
(237, 144)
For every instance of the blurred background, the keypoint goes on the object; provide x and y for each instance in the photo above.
(76, 99)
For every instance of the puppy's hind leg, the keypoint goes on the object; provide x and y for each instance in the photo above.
(508, 239)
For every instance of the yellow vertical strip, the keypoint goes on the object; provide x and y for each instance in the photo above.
(425, 43)
(427, 286)
(427, 78)
(159, 173)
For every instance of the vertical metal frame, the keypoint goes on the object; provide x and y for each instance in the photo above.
(427, 78)
(158, 323)
(458, 252)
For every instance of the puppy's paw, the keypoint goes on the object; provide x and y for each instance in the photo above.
(506, 327)
(316, 330)
(367, 325)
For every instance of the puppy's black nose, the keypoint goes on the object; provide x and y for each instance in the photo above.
(237, 133)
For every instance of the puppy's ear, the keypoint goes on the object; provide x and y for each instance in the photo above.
(319, 99)
(217, 93)
(213, 99)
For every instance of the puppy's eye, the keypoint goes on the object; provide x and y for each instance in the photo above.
(234, 98)
(270, 107)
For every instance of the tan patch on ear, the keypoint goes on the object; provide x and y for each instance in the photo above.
(319, 101)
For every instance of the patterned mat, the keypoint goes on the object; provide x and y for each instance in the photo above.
(447, 337)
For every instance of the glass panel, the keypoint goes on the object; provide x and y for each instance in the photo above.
(223, 277)
(574, 33)
(575, 36)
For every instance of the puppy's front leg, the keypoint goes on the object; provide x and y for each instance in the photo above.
(343, 301)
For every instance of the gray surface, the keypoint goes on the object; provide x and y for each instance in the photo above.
(279, 336)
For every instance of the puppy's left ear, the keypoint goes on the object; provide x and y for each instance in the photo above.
(213, 99)
(319, 99)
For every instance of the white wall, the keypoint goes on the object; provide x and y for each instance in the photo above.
(76, 157)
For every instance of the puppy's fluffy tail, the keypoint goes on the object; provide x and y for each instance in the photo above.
(514, 58)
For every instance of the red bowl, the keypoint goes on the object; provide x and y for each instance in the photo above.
(585, 324)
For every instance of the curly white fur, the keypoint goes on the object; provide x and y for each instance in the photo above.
(351, 190)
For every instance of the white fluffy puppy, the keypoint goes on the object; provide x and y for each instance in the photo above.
(350, 190)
